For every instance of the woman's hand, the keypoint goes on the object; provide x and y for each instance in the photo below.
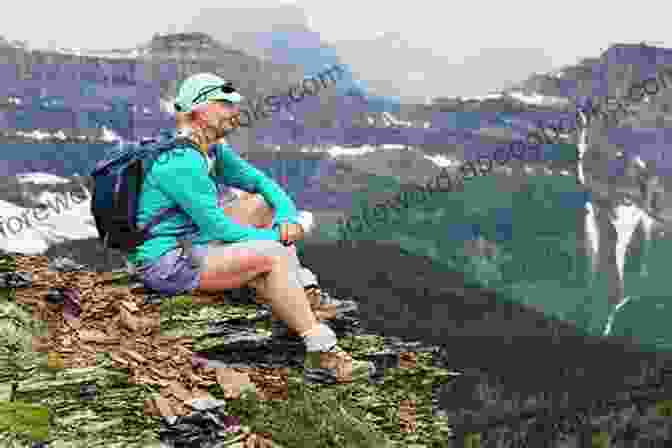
(290, 233)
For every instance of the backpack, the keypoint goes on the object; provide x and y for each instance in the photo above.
(117, 181)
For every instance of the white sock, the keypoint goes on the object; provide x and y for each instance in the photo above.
(319, 339)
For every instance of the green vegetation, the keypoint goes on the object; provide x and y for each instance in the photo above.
(359, 414)
(351, 415)
(24, 419)
(536, 260)
(47, 406)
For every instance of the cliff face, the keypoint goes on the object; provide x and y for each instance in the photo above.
(163, 62)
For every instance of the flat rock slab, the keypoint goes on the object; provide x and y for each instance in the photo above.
(255, 351)
(347, 325)
(239, 329)
(398, 345)
(242, 347)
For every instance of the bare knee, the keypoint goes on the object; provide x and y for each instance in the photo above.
(275, 265)
(257, 209)
(259, 204)
(252, 200)
(278, 262)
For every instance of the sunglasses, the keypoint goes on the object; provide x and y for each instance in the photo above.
(225, 88)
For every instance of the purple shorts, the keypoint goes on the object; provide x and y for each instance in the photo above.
(179, 272)
(175, 272)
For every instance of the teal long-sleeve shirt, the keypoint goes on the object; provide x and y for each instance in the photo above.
(182, 178)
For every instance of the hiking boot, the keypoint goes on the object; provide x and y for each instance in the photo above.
(327, 307)
(325, 362)
(331, 367)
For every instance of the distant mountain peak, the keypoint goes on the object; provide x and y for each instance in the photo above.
(187, 41)
(177, 38)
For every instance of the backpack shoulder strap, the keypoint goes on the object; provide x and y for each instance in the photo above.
(158, 147)
(179, 141)
(183, 141)
(163, 214)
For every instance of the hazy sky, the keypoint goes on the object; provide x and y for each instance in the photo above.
(441, 48)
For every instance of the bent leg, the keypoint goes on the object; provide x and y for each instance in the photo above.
(231, 267)
(268, 267)
(253, 210)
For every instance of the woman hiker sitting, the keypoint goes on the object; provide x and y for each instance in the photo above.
(238, 241)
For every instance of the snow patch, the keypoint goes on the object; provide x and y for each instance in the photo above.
(442, 161)
(338, 151)
(537, 99)
(41, 178)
